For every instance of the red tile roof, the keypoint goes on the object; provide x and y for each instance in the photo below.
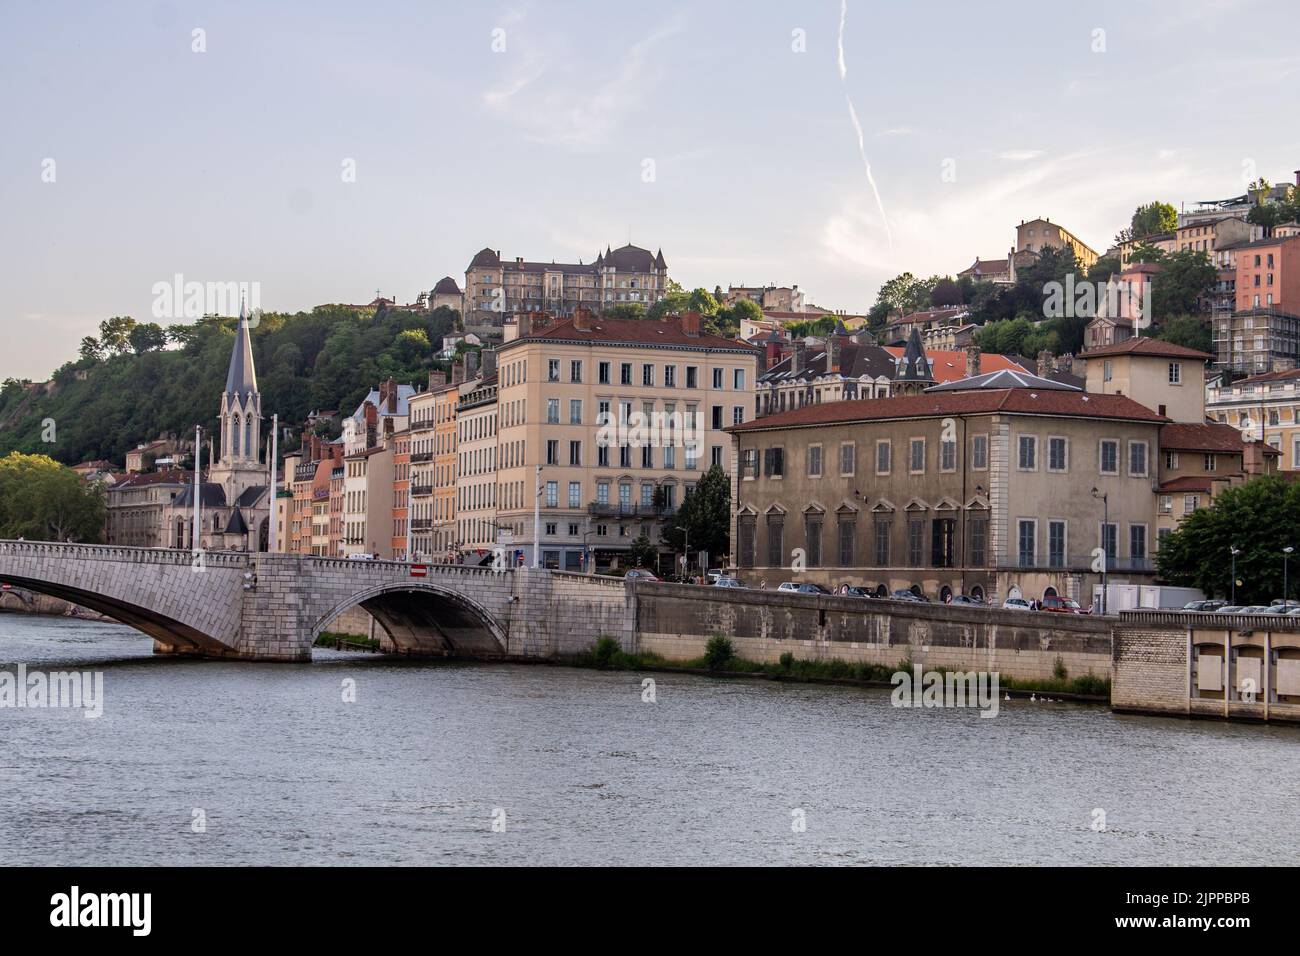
(1189, 483)
(1147, 346)
(1211, 437)
(1022, 401)
(1282, 376)
(948, 365)
(606, 331)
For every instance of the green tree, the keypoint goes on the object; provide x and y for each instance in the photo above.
(1186, 277)
(703, 302)
(115, 333)
(897, 295)
(1190, 331)
(90, 350)
(675, 301)
(625, 310)
(1260, 518)
(642, 552)
(1103, 269)
(1153, 219)
(146, 337)
(41, 500)
(703, 521)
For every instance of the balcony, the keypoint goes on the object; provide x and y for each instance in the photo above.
(421, 456)
(617, 510)
(419, 491)
(1072, 563)
(421, 524)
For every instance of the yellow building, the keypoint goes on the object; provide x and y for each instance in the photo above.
(1262, 408)
(623, 417)
(1039, 234)
(1167, 378)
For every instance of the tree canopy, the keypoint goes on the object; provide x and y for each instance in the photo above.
(703, 520)
(42, 500)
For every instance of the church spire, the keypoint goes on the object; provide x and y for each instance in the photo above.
(913, 372)
(241, 379)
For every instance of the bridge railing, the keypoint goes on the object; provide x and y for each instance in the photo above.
(114, 552)
(1209, 621)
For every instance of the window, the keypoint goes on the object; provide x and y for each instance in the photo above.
(602, 373)
(624, 498)
(1057, 454)
(979, 536)
(1166, 504)
(1106, 370)
(575, 453)
(715, 455)
(552, 370)
(625, 373)
(1171, 460)
(1210, 463)
(943, 539)
(670, 376)
(1137, 544)
(814, 461)
(813, 541)
(1109, 457)
(552, 411)
(916, 459)
(948, 455)
(847, 533)
(551, 529)
(1026, 543)
(1056, 544)
(1137, 459)
(737, 414)
(552, 494)
(717, 378)
(749, 463)
(717, 416)
(552, 452)
(648, 456)
(882, 542)
(1109, 539)
(979, 452)
(575, 494)
(692, 376)
(738, 379)
(848, 458)
(775, 540)
(647, 374)
(575, 411)
(1191, 503)
(915, 539)
(602, 493)
(882, 457)
(745, 532)
(1028, 453)
(774, 462)
(1175, 373)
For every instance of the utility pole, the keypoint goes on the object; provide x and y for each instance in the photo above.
(1234, 551)
(198, 455)
(272, 537)
(537, 520)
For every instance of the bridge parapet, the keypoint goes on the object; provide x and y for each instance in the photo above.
(119, 553)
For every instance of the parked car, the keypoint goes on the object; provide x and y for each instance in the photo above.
(1015, 604)
(724, 582)
(1230, 609)
(1205, 606)
(1294, 612)
(905, 594)
(641, 574)
(966, 600)
(1254, 609)
(853, 590)
(806, 587)
(1279, 609)
(1061, 605)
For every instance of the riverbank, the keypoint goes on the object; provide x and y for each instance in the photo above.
(22, 601)
(720, 660)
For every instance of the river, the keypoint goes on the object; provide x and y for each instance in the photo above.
(441, 763)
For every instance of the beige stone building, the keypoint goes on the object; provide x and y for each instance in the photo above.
(1167, 378)
(496, 287)
(1198, 462)
(977, 490)
(433, 466)
(1039, 234)
(476, 468)
(769, 298)
(1262, 408)
(571, 396)
(137, 506)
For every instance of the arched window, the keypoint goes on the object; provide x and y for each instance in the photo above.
(248, 436)
(234, 436)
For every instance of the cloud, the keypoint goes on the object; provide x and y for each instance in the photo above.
(1020, 155)
(897, 131)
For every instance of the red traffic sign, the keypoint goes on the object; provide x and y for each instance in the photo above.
(419, 570)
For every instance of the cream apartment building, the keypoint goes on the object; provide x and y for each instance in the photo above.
(1262, 408)
(476, 468)
(1169, 379)
(571, 395)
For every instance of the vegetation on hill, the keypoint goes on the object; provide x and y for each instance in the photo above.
(42, 500)
(127, 388)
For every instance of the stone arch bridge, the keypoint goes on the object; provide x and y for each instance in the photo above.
(261, 606)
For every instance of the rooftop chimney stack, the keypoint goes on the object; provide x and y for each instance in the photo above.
(1045, 364)
(471, 363)
(437, 377)
(457, 372)
(972, 360)
(489, 363)
(581, 319)
(833, 352)
(800, 356)
(691, 323)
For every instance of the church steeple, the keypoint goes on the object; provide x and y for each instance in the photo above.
(241, 403)
(913, 373)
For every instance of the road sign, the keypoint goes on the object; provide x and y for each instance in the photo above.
(419, 570)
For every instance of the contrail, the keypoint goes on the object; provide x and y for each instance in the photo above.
(853, 115)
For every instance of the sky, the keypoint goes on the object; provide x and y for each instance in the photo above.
(327, 150)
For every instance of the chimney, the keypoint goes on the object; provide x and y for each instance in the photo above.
(471, 363)
(800, 356)
(1045, 364)
(581, 319)
(437, 377)
(457, 372)
(1297, 177)
(372, 422)
(773, 351)
(392, 396)
(972, 360)
(489, 362)
(833, 347)
(691, 323)
(523, 324)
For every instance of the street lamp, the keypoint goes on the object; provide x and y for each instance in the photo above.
(1286, 558)
(1105, 555)
(1234, 551)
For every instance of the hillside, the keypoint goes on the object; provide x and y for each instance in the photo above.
(326, 358)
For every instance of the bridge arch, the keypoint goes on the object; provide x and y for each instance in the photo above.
(425, 618)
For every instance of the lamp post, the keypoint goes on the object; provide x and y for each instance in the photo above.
(1234, 551)
(1286, 558)
(1105, 555)
(537, 521)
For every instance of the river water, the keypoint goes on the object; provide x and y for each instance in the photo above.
(574, 768)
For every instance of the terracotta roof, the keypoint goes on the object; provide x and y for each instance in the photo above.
(948, 365)
(1210, 437)
(1283, 376)
(1189, 483)
(877, 361)
(605, 331)
(1022, 401)
(1146, 346)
